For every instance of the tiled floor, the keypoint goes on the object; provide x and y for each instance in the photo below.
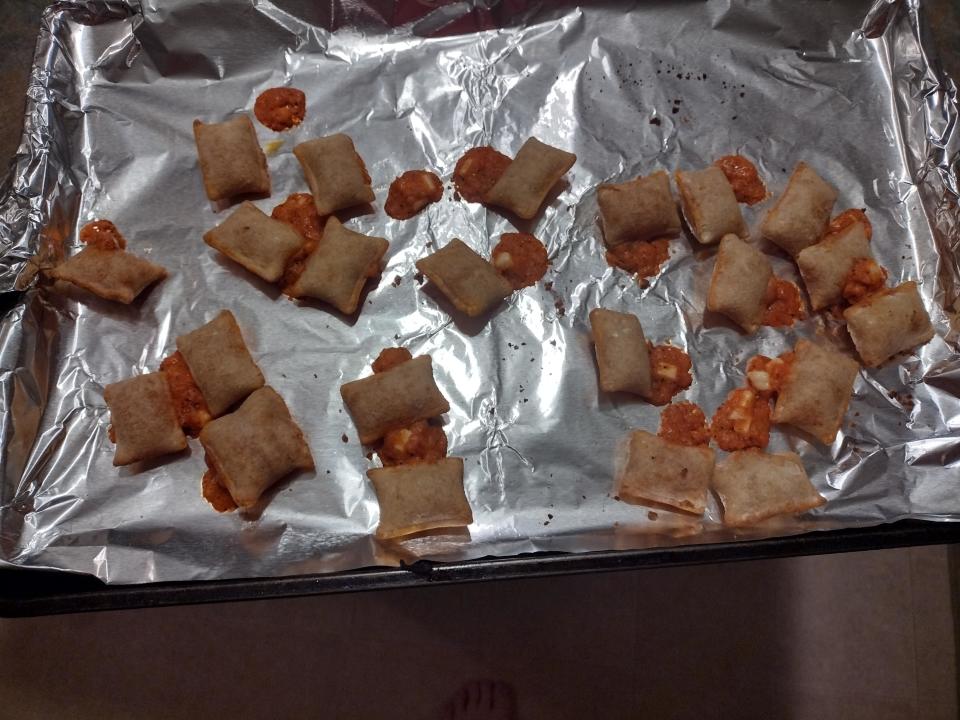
(866, 635)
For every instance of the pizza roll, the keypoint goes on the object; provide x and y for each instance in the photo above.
(394, 398)
(336, 271)
(111, 274)
(816, 390)
(826, 264)
(641, 209)
(231, 160)
(471, 283)
(662, 472)
(524, 185)
(755, 485)
(800, 216)
(888, 322)
(623, 358)
(710, 205)
(143, 418)
(220, 363)
(255, 240)
(335, 173)
(254, 447)
(738, 287)
(420, 497)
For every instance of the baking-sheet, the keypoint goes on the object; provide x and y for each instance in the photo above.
(853, 89)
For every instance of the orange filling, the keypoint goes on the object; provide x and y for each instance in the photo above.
(670, 371)
(213, 491)
(102, 234)
(478, 171)
(520, 258)
(412, 192)
(766, 375)
(640, 257)
(389, 358)
(784, 305)
(280, 108)
(416, 443)
(684, 424)
(191, 408)
(848, 218)
(743, 177)
(742, 421)
(864, 279)
(300, 212)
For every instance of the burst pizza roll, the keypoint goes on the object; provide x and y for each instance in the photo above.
(662, 472)
(338, 268)
(144, 419)
(424, 496)
(524, 185)
(800, 216)
(256, 241)
(255, 447)
(111, 274)
(710, 205)
(220, 363)
(738, 286)
(816, 390)
(641, 209)
(623, 358)
(887, 323)
(231, 160)
(394, 398)
(825, 265)
(471, 283)
(335, 173)
(754, 485)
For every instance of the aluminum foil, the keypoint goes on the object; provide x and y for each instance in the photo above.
(852, 89)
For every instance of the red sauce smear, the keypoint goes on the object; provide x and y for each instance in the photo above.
(848, 218)
(478, 171)
(412, 192)
(191, 408)
(684, 424)
(102, 234)
(784, 305)
(670, 371)
(300, 212)
(215, 493)
(865, 278)
(416, 443)
(742, 421)
(642, 258)
(743, 177)
(520, 258)
(280, 108)
(765, 375)
(389, 358)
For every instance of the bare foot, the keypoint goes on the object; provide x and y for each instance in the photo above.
(482, 700)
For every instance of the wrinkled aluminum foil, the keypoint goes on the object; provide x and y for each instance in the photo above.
(851, 89)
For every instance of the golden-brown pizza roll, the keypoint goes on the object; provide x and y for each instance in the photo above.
(335, 173)
(471, 283)
(111, 274)
(394, 398)
(754, 485)
(888, 322)
(641, 209)
(738, 287)
(826, 264)
(524, 185)
(220, 363)
(143, 418)
(665, 473)
(255, 240)
(800, 216)
(420, 497)
(816, 390)
(336, 271)
(231, 160)
(623, 358)
(710, 205)
(256, 446)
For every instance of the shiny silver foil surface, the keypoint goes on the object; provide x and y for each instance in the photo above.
(852, 88)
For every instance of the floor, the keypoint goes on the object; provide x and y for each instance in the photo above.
(867, 635)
